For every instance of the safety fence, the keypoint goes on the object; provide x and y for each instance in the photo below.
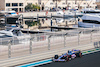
(36, 43)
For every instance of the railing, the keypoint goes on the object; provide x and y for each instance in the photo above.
(37, 43)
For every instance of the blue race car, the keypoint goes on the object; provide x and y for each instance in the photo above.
(68, 56)
(65, 57)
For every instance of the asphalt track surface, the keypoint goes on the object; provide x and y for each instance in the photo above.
(88, 60)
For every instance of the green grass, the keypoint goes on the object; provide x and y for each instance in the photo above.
(97, 49)
(89, 51)
(92, 50)
(84, 52)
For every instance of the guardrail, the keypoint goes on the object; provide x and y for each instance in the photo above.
(12, 47)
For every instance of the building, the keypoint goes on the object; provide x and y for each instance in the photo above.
(19, 5)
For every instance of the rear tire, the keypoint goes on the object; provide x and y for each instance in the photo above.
(67, 59)
(80, 54)
(70, 57)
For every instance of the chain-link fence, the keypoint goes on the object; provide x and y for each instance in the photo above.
(37, 43)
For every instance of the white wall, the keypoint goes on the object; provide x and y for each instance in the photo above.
(2, 4)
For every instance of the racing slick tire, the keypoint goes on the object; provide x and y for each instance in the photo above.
(78, 54)
(56, 56)
(70, 57)
(67, 59)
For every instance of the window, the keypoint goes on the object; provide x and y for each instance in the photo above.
(20, 4)
(14, 4)
(15, 9)
(7, 4)
(20, 9)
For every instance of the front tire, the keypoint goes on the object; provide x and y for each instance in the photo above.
(56, 57)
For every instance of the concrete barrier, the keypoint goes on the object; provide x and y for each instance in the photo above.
(40, 56)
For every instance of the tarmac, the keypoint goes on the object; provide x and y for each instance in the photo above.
(44, 62)
(89, 60)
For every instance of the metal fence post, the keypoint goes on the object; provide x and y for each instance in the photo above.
(91, 36)
(1, 41)
(49, 42)
(64, 40)
(99, 43)
(96, 44)
(30, 46)
(9, 49)
(79, 38)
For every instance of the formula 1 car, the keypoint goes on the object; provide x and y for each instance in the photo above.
(64, 57)
(67, 56)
